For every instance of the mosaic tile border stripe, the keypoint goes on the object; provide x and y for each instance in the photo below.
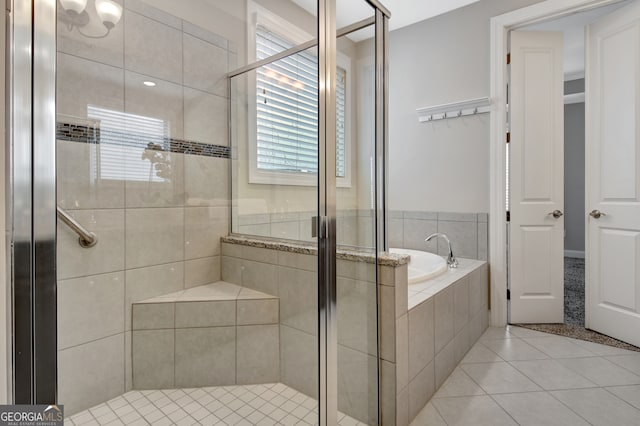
(93, 135)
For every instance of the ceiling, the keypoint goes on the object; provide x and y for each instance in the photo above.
(573, 27)
(403, 12)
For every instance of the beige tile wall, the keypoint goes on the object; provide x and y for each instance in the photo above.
(440, 332)
(155, 236)
(467, 232)
(421, 347)
(292, 277)
(394, 344)
(205, 343)
(354, 227)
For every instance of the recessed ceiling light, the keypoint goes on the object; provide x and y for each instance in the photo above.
(149, 83)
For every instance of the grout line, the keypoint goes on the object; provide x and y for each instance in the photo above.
(502, 408)
(76, 56)
(437, 411)
(606, 357)
(173, 366)
(144, 15)
(236, 341)
(124, 236)
(568, 407)
(91, 341)
(617, 397)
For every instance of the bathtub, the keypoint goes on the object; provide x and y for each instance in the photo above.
(423, 265)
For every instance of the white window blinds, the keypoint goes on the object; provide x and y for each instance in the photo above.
(287, 109)
(124, 138)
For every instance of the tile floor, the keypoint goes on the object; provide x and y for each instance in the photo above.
(270, 404)
(511, 376)
(517, 376)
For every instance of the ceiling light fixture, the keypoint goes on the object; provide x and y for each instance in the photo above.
(109, 12)
(74, 6)
(76, 16)
(149, 83)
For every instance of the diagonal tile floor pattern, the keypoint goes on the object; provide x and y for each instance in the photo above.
(517, 376)
(269, 404)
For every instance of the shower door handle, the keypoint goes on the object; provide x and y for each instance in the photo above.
(319, 223)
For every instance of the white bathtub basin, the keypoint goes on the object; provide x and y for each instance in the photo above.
(423, 265)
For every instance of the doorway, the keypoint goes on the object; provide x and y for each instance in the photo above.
(573, 29)
(501, 25)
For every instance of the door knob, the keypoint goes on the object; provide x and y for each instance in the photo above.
(596, 214)
(556, 213)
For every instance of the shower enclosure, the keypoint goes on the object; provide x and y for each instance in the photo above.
(229, 160)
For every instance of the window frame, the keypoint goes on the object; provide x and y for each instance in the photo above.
(263, 17)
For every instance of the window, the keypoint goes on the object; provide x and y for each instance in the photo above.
(286, 113)
(136, 133)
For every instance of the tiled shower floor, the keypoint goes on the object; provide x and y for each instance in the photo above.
(270, 404)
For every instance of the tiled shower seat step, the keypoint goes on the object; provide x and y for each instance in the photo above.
(212, 305)
(212, 335)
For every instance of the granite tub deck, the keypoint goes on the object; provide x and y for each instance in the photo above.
(424, 329)
(211, 335)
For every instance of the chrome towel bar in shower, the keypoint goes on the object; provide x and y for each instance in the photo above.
(86, 238)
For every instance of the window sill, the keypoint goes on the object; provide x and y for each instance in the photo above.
(292, 179)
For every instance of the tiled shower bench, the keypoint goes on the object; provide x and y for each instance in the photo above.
(210, 335)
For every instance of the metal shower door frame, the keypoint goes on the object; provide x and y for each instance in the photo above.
(32, 194)
(326, 225)
(327, 246)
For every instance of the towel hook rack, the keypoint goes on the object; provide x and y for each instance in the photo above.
(454, 109)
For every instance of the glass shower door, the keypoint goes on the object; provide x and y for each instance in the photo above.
(161, 315)
(356, 286)
(275, 168)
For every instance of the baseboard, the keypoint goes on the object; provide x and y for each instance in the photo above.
(574, 253)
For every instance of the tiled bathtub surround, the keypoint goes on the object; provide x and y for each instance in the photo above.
(211, 335)
(421, 339)
(468, 232)
(441, 330)
(407, 229)
(159, 215)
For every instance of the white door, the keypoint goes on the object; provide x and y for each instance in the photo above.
(537, 181)
(613, 175)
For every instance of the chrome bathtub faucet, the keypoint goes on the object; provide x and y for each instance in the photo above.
(451, 260)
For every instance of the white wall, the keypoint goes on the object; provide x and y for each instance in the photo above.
(444, 165)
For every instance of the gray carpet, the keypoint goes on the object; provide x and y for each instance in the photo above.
(574, 310)
(574, 291)
(581, 333)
